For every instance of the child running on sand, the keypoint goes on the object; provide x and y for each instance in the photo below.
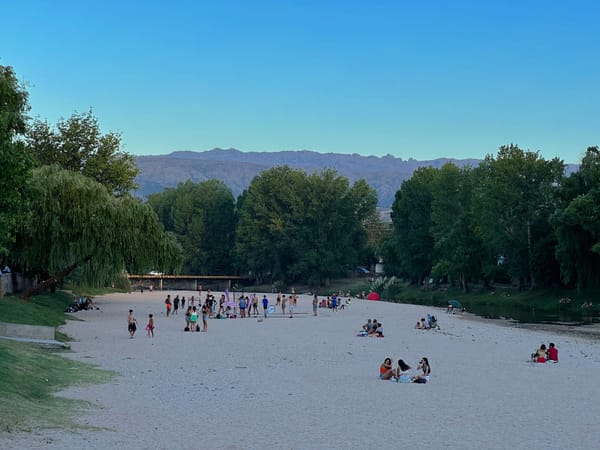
(131, 324)
(150, 326)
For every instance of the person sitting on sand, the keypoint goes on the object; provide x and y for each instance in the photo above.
(426, 368)
(385, 370)
(552, 353)
(373, 329)
(377, 331)
(401, 372)
(540, 355)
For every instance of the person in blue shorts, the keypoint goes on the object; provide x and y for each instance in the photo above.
(265, 302)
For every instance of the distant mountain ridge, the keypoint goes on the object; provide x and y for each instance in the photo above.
(237, 169)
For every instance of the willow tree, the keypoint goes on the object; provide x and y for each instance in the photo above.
(202, 216)
(78, 225)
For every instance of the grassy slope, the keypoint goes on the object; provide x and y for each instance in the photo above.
(546, 300)
(30, 375)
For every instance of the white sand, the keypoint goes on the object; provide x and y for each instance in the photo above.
(311, 383)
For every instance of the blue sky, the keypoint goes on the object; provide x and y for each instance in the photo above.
(410, 79)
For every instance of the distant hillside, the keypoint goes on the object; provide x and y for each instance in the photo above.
(236, 169)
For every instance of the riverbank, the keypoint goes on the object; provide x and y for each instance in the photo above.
(310, 382)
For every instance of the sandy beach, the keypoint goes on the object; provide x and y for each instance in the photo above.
(311, 383)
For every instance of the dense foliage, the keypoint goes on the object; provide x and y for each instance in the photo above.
(202, 217)
(513, 218)
(78, 225)
(72, 216)
(78, 145)
(15, 166)
(298, 227)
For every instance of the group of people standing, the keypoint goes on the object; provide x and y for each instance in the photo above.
(401, 374)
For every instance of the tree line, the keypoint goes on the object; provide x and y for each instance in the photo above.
(67, 211)
(514, 218)
(66, 208)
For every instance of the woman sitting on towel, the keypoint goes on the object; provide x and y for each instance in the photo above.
(385, 370)
(426, 368)
(401, 372)
(541, 354)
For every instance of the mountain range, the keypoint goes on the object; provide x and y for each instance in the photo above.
(236, 168)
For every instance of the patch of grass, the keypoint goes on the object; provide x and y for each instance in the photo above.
(93, 292)
(501, 300)
(45, 309)
(30, 376)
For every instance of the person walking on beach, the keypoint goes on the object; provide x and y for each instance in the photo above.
(205, 312)
(183, 302)
(168, 305)
(315, 304)
(176, 304)
(131, 324)
(255, 305)
(150, 326)
(265, 302)
(283, 303)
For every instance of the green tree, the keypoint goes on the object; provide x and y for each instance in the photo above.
(78, 145)
(515, 193)
(267, 216)
(202, 216)
(15, 165)
(577, 225)
(332, 236)
(410, 248)
(295, 227)
(78, 225)
(458, 249)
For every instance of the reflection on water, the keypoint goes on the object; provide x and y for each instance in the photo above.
(560, 317)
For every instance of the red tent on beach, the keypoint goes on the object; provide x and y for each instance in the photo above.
(373, 296)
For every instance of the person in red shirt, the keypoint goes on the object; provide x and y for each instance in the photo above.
(552, 353)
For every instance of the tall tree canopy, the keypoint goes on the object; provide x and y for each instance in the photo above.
(514, 196)
(202, 216)
(295, 227)
(410, 249)
(457, 247)
(577, 225)
(78, 145)
(78, 225)
(15, 165)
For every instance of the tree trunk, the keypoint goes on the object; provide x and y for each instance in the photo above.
(464, 284)
(52, 281)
